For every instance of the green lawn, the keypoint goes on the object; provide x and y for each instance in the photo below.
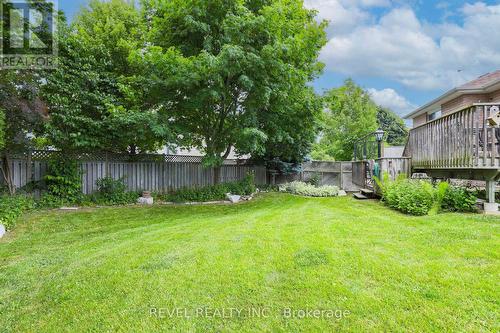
(365, 266)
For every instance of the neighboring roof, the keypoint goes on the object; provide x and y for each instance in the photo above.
(483, 84)
(196, 152)
(394, 152)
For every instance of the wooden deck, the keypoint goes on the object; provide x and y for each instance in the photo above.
(461, 141)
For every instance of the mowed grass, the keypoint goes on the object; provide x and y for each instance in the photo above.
(109, 270)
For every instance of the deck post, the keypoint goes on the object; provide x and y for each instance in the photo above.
(490, 191)
(490, 206)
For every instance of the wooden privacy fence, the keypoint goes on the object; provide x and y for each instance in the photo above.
(159, 173)
(363, 171)
(330, 173)
(395, 166)
(359, 173)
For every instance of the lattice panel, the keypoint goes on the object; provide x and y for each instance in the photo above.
(198, 159)
(44, 155)
(183, 159)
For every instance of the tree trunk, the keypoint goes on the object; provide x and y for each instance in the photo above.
(217, 175)
(7, 174)
(217, 169)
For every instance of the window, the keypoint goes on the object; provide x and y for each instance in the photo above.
(434, 115)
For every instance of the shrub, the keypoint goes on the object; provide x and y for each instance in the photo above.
(414, 197)
(214, 192)
(201, 194)
(460, 199)
(301, 188)
(51, 201)
(246, 186)
(113, 192)
(11, 207)
(419, 197)
(63, 179)
(109, 186)
(440, 193)
(269, 188)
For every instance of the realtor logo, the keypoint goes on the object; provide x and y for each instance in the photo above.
(28, 34)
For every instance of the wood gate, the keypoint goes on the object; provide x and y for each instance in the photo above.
(362, 174)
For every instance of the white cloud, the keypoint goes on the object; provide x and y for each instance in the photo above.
(396, 48)
(389, 98)
(375, 3)
(344, 15)
(343, 18)
(479, 8)
(400, 47)
(442, 5)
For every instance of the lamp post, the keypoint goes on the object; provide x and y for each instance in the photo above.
(379, 135)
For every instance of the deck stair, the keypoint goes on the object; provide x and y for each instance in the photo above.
(364, 194)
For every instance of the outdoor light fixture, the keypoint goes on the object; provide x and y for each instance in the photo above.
(379, 134)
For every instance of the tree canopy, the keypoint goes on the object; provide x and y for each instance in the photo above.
(228, 73)
(2, 129)
(23, 113)
(292, 126)
(92, 104)
(209, 74)
(349, 115)
(394, 127)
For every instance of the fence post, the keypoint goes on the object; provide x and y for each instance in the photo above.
(162, 173)
(29, 169)
(341, 175)
(106, 164)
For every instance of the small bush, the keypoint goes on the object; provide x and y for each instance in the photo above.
(109, 186)
(301, 188)
(201, 194)
(214, 192)
(440, 193)
(63, 179)
(269, 188)
(113, 192)
(419, 197)
(460, 199)
(50, 201)
(11, 207)
(246, 186)
(414, 197)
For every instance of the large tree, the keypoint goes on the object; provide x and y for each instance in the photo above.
(92, 104)
(23, 113)
(292, 127)
(2, 129)
(394, 127)
(228, 72)
(349, 115)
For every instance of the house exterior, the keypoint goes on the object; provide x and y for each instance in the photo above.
(485, 89)
(457, 136)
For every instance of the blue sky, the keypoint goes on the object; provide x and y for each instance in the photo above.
(404, 52)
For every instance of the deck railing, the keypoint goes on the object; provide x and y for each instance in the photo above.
(460, 140)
